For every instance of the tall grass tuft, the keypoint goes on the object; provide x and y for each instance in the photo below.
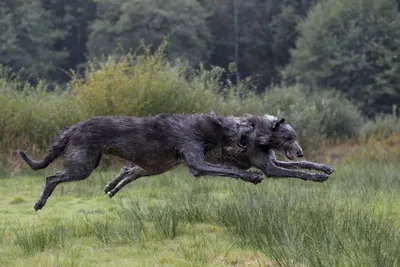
(350, 220)
(310, 232)
(382, 126)
(36, 238)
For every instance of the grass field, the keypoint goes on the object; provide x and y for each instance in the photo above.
(353, 219)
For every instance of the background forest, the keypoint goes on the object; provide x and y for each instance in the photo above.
(350, 46)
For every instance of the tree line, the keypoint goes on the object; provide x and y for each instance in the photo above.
(352, 46)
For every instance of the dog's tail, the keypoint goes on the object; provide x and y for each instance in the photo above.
(58, 145)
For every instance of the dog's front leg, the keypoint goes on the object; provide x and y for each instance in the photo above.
(304, 165)
(301, 164)
(193, 156)
(272, 170)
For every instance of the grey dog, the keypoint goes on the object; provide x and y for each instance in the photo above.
(156, 144)
(159, 143)
(254, 148)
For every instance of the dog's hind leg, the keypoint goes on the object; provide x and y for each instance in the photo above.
(130, 175)
(124, 172)
(79, 168)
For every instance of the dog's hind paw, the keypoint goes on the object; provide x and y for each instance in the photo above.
(38, 205)
(256, 177)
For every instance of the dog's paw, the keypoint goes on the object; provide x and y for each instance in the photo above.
(39, 205)
(256, 177)
(320, 177)
(326, 169)
(106, 189)
(110, 194)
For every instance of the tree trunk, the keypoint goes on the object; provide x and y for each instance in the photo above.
(236, 29)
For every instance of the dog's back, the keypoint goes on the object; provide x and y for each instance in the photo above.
(133, 137)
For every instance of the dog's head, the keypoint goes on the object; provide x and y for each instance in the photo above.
(268, 132)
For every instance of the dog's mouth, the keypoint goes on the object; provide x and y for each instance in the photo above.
(289, 155)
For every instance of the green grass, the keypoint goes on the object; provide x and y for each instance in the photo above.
(176, 220)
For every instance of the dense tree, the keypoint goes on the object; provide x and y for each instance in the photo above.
(72, 18)
(125, 23)
(352, 46)
(27, 39)
(267, 30)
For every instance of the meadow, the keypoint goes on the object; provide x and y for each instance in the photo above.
(173, 219)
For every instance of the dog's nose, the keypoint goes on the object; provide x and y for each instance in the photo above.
(300, 154)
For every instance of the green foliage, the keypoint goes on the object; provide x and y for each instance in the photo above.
(36, 238)
(27, 39)
(146, 84)
(351, 46)
(32, 113)
(72, 17)
(340, 116)
(31, 116)
(350, 220)
(141, 85)
(382, 126)
(125, 24)
(315, 116)
(267, 30)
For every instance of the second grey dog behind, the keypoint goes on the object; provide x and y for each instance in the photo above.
(255, 148)
(156, 144)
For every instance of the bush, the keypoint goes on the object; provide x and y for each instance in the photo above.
(382, 125)
(341, 117)
(30, 115)
(146, 84)
(141, 85)
(315, 116)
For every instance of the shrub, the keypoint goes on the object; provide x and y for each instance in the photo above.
(141, 85)
(147, 84)
(315, 116)
(30, 115)
(382, 126)
(341, 117)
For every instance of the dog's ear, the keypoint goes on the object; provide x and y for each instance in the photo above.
(276, 123)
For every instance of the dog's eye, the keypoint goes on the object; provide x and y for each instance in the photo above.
(289, 138)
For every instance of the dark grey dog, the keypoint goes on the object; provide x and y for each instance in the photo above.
(160, 143)
(156, 144)
(254, 148)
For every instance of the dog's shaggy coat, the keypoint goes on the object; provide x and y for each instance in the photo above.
(159, 143)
